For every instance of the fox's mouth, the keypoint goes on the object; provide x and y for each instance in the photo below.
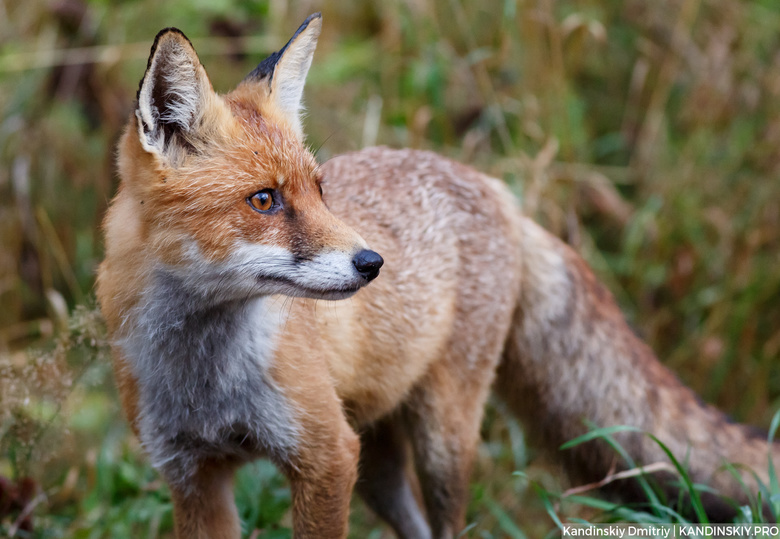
(291, 287)
(328, 275)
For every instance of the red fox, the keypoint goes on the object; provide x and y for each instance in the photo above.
(222, 243)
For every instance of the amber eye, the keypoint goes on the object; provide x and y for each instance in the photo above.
(262, 201)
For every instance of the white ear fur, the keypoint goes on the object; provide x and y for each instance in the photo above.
(285, 71)
(289, 76)
(171, 96)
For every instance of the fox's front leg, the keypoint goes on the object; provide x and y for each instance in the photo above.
(321, 480)
(204, 508)
(323, 467)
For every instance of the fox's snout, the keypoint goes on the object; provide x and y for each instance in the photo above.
(367, 264)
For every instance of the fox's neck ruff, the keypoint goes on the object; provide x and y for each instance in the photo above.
(203, 375)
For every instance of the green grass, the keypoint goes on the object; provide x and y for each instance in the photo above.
(656, 509)
(644, 133)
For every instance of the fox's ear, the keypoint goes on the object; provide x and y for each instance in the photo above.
(172, 96)
(285, 71)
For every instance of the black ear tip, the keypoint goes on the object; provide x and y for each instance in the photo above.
(162, 34)
(169, 29)
(265, 69)
(305, 24)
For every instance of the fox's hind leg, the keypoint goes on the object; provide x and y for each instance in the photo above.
(383, 483)
(443, 414)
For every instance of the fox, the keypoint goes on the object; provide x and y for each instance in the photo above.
(349, 320)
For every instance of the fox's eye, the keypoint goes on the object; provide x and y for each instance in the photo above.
(262, 201)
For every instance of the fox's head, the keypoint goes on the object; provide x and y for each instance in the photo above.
(223, 189)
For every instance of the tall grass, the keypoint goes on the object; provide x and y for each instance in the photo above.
(647, 134)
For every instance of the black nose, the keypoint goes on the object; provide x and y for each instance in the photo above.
(367, 263)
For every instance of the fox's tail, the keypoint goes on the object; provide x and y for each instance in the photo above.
(572, 359)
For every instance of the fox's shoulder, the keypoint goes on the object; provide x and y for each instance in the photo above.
(397, 164)
(419, 179)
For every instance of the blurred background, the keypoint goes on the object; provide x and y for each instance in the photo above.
(646, 134)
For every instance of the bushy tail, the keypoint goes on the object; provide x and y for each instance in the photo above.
(571, 359)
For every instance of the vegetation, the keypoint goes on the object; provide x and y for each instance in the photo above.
(647, 134)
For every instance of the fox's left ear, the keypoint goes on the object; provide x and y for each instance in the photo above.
(172, 97)
(285, 71)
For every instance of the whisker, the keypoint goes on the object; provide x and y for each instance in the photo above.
(337, 130)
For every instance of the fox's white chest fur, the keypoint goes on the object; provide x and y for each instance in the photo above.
(202, 371)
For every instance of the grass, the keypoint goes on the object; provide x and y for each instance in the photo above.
(764, 507)
(644, 133)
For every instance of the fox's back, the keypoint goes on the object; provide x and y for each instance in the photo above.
(448, 235)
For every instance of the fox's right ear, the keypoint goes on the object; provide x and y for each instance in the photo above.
(284, 71)
(171, 97)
